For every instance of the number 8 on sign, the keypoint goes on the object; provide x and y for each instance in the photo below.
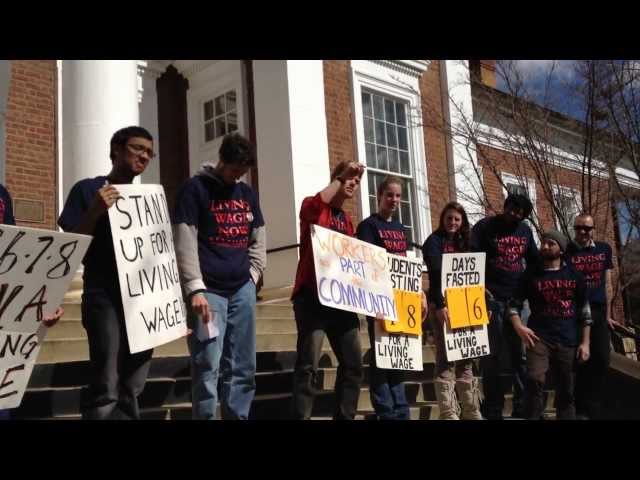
(467, 306)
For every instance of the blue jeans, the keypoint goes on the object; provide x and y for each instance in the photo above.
(386, 389)
(231, 356)
(507, 351)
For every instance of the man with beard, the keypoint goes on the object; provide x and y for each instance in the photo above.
(558, 329)
(508, 242)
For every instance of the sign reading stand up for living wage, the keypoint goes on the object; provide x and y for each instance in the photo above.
(352, 275)
(399, 345)
(154, 310)
(36, 268)
(466, 333)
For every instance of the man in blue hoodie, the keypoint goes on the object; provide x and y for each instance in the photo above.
(221, 249)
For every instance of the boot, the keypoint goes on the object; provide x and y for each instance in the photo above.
(447, 401)
(469, 395)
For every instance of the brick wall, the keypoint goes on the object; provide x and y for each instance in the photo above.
(340, 132)
(30, 171)
(603, 220)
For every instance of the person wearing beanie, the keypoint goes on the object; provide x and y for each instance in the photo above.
(558, 330)
(509, 245)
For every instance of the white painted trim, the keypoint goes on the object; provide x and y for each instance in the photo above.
(374, 75)
(59, 134)
(494, 138)
(566, 192)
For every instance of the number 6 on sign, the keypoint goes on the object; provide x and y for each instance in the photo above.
(467, 306)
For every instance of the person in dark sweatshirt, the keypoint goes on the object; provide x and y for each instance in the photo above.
(314, 320)
(594, 260)
(220, 243)
(558, 330)
(385, 386)
(452, 236)
(508, 242)
(117, 377)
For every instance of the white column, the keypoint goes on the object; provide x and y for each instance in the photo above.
(5, 78)
(468, 186)
(98, 98)
(293, 152)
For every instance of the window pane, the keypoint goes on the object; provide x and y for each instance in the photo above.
(220, 106)
(371, 155)
(221, 128)
(209, 133)
(405, 213)
(400, 114)
(393, 160)
(231, 101)
(404, 163)
(381, 153)
(389, 111)
(373, 207)
(232, 122)
(378, 112)
(368, 130)
(208, 110)
(371, 182)
(405, 191)
(392, 140)
(380, 135)
(402, 139)
(366, 104)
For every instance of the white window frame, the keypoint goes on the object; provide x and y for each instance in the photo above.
(203, 121)
(567, 192)
(391, 79)
(511, 179)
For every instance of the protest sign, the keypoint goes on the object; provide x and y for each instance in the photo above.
(352, 275)
(397, 351)
(154, 310)
(462, 270)
(18, 354)
(406, 279)
(36, 268)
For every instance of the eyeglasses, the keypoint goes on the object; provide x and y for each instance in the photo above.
(140, 149)
(583, 228)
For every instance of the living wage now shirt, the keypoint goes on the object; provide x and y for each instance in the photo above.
(390, 235)
(592, 261)
(225, 217)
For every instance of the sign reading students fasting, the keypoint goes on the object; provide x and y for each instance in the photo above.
(352, 275)
(36, 268)
(154, 310)
(399, 345)
(461, 271)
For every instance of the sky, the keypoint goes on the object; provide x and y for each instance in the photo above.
(535, 74)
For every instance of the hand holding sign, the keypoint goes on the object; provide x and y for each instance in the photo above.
(105, 198)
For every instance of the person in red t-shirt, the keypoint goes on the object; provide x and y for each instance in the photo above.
(314, 320)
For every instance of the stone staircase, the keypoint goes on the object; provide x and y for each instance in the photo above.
(61, 371)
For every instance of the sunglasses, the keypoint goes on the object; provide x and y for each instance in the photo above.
(584, 228)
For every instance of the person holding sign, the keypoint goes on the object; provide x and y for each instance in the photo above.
(7, 218)
(594, 260)
(385, 386)
(221, 249)
(559, 327)
(509, 245)
(313, 320)
(452, 236)
(116, 376)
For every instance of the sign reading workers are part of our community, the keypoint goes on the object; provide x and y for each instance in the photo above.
(154, 309)
(352, 275)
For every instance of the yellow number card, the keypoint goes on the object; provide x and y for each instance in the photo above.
(467, 306)
(409, 308)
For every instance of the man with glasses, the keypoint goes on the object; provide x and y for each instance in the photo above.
(116, 376)
(594, 260)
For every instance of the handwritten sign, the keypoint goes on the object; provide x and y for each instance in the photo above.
(461, 270)
(154, 310)
(397, 351)
(467, 306)
(36, 268)
(352, 275)
(406, 279)
(18, 354)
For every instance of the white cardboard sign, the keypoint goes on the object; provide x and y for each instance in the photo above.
(463, 270)
(154, 309)
(352, 275)
(18, 354)
(36, 268)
